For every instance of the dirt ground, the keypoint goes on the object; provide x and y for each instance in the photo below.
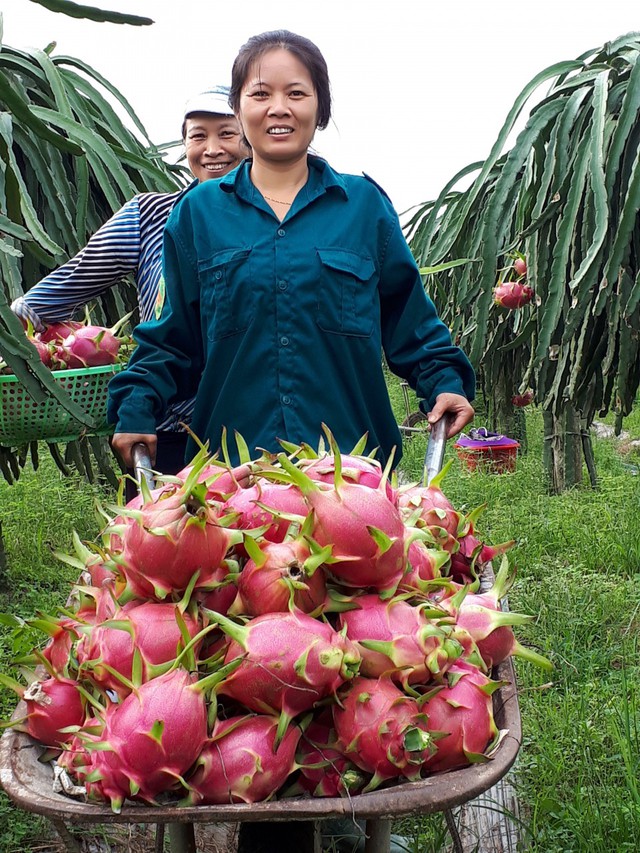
(137, 838)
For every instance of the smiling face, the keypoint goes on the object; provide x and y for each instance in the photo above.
(213, 145)
(278, 108)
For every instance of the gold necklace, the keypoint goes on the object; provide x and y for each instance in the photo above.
(268, 198)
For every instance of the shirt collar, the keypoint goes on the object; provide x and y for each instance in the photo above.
(321, 178)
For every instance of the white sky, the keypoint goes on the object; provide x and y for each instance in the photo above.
(420, 88)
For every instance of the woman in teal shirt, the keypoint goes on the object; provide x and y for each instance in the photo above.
(285, 284)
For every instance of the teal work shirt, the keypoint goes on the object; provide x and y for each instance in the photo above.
(278, 327)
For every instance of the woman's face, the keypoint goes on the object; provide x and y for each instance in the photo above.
(213, 145)
(278, 107)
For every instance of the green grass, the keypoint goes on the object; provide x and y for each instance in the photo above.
(578, 563)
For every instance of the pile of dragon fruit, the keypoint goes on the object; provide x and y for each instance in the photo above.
(296, 625)
(71, 345)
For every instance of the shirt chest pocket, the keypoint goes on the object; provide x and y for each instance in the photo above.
(226, 292)
(347, 303)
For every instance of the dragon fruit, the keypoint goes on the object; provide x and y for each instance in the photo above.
(56, 332)
(149, 628)
(490, 626)
(435, 510)
(150, 739)
(397, 639)
(90, 346)
(460, 717)
(169, 540)
(289, 662)
(241, 763)
(382, 730)
(261, 504)
(361, 524)
(512, 294)
(324, 769)
(354, 469)
(52, 704)
(281, 575)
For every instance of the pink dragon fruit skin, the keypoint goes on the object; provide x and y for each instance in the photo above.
(290, 661)
(53, 704)
(424, 564)
(155, 735)
(251, 504)
(324, 770)
(57, 332)
(168, 540)
(396, 639)
(240, 762)
(382, 730)
(153, 631)
(90, 346)
(435, 509)
(512, 294)
(464, 711)
(281, 581)
(75, 758)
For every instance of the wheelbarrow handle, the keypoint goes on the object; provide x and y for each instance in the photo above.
(142, 467)
(434, 456)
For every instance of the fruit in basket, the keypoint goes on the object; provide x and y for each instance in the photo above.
(89, 346)
(53, 704)
(56, 332)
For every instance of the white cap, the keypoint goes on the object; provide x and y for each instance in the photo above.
(214, 101)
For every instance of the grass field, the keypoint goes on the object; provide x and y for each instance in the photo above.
(578, 561)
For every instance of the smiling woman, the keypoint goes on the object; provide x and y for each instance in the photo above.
(285, 283)
(131, 242)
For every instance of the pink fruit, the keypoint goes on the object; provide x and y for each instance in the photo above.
(240, 762)
(170, 539)
(154, 735)
(512, 294)
(289, 662)
(57, 332)
(522, 400)
(45, 351)
(52, 705)
(354, 469)
(259, 505)
(463, 710)
(362, 525)
(324, 770)
(382, 730)
(424, 565)
(90, 346)
(396, 639)
(280, 576)
(520, 267)
(150, 628)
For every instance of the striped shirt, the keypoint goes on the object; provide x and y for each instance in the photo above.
(130, 242)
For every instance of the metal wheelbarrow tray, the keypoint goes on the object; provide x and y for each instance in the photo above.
(28, 782)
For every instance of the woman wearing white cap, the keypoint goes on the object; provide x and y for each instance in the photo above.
(131, 242)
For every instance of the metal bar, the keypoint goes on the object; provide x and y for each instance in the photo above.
(71, 843)
(378, 836)
(142, 464)
(453, 831)
(159, 841)
(182, 838)
(435, 448)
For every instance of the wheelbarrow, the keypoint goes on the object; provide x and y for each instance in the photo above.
(28, 782)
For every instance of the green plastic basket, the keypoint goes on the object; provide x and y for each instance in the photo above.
(23, 420)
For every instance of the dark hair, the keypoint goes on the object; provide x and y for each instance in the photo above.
(304, 49)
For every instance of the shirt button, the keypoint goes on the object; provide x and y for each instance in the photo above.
(282, 285)
(286, 400)
(284, 340)
(281, 232)
(218, 275)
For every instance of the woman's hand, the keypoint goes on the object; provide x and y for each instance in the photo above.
(455, 405)
(122, 443)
